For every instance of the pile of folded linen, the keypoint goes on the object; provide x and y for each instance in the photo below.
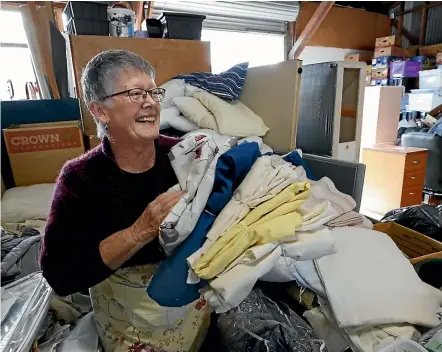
(255, 229)
(368, 291)
(211, 102)
(247, 217)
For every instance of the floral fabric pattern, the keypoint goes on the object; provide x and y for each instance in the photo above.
(128, 320)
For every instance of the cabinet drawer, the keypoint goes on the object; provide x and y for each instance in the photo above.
(411, 196)
(414, 179)
(416, 161)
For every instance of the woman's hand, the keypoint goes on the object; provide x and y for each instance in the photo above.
(147, 225)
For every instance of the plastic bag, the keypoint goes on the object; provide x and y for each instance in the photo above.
(258, 324)
(424, 218)
(432, 339)
(29, 300)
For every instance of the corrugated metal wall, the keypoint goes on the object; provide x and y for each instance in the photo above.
(434, 26)
(412, 22)
(255, 16)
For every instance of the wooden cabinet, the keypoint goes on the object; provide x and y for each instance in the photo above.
(394, 177)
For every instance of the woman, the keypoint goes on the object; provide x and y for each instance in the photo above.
(106, 212)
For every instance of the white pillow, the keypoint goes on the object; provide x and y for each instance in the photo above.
(27, 203)
(196, 112)
(234, 119)
(182, 124)
(190, 90)
(166, 115)
(174, 88)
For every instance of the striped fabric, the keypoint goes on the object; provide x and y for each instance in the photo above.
(227, 85)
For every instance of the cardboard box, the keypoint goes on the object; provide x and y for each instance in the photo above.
(412, 243)
(380, 73)
(94, 141)
(384, 61)
(379, 82)
(395, 51)
(431, 50)
(368, 80)
(361, 57)
(439, 58)
(37, 152)
(391, 40)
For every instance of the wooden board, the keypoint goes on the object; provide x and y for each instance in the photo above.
(169, 58)
(272, 92)
(344, 27)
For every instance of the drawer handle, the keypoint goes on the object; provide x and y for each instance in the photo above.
(413, 177)
(412, 193)
(415, 161)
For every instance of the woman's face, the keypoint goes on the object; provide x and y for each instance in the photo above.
(131, 121)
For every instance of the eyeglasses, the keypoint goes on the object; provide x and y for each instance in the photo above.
(139, 95)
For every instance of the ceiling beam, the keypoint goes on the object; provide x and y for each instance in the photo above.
(411, 38)
(44, 49)
(400, 22)
(56, 4)
(149, 9)
(138, 7)
(423, 28)
(310, 29)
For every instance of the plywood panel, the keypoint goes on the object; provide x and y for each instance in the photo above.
(272, 92)
(381, 114)
(344, 27)
(169, 58)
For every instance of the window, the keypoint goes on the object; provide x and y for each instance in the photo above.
(16, 65)
(230, 48)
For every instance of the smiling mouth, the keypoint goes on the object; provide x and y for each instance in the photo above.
(145, 119)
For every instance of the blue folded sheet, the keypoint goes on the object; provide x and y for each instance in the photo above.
(168, 287)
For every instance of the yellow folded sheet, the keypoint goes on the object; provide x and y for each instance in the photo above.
(270, 221)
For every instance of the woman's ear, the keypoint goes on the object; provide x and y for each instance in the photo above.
(99, 112)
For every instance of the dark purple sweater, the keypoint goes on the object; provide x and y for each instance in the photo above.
(93, 199)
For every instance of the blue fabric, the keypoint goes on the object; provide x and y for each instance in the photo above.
(296, 160)
(168, 286)
(227, 85)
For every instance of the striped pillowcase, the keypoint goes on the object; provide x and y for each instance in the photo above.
(227, 85)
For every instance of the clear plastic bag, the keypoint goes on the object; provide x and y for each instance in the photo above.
(29, 300)
(259, 324)
(432, 339)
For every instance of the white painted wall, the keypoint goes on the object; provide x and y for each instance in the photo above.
(318, 54)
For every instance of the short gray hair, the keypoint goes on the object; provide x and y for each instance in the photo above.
(101, 73)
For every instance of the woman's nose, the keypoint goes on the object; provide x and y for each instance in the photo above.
(147, 102)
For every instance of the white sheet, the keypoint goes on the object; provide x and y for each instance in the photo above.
(370, 282)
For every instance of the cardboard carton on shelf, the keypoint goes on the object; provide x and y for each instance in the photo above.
(37, 152)
(379, 82)
(361, 57)
(380, 73)
(384, 61)
(367, 81)
(431, 50)
(439, 58)
(391, 40)
(394, 51)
